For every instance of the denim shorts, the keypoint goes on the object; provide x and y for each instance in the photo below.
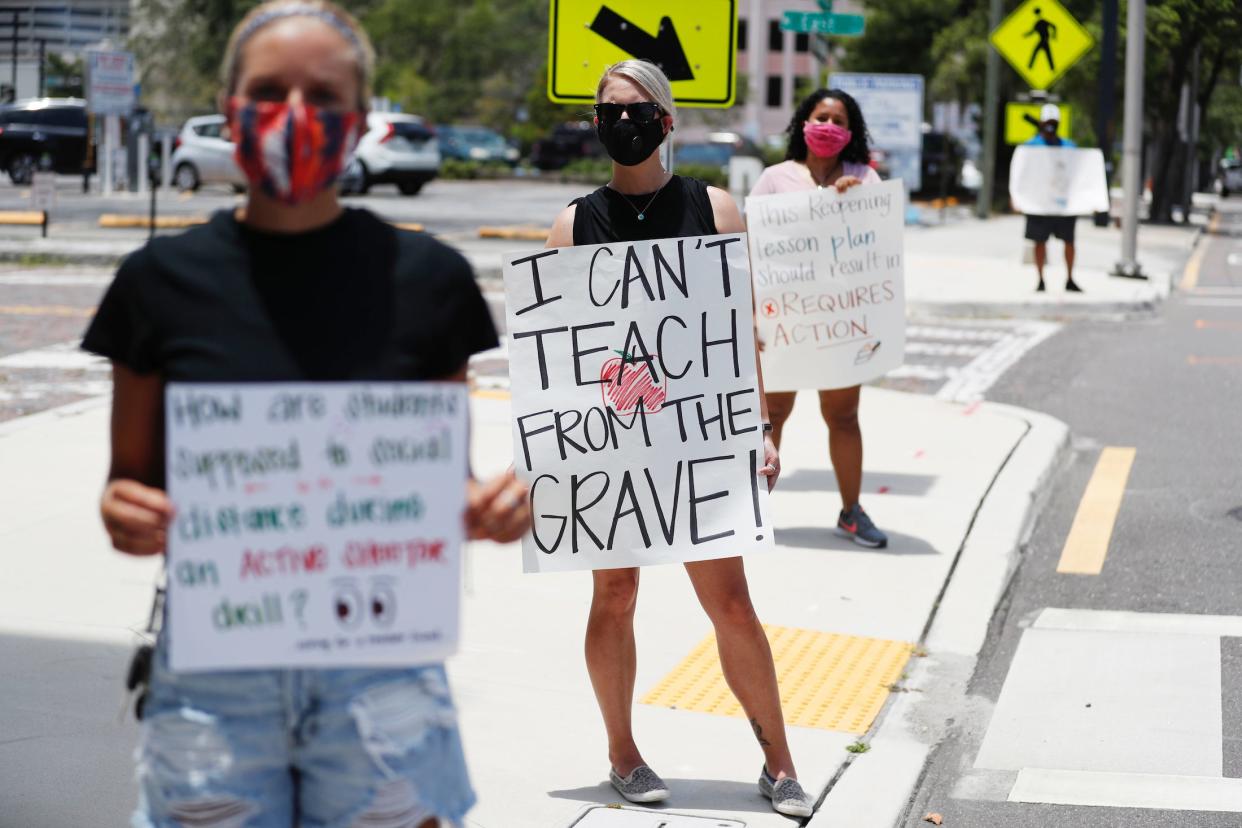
(306, 748)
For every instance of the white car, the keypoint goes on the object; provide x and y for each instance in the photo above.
(1228, 178)
(396, 149)
(203, 155)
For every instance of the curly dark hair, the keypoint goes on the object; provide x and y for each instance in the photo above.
(856, 151)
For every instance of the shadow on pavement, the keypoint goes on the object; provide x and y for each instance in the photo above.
(693, 794)
(824, 480)
(823, 537)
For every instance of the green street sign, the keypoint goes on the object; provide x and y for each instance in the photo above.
(825, 6)
(846, 25)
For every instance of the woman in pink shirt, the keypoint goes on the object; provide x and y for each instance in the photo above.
(828, 148)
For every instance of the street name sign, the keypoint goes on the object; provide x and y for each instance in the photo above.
(694, 43)
(1022, 121)
(846, 25)
(1041, 40)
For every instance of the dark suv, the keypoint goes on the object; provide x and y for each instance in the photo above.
(42, 134)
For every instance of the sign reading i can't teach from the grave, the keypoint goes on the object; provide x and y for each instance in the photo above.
(317, 525)
(829, 284)
(693, 43)
(636, 403)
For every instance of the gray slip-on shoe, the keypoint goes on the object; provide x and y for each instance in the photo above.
(642, 785)
(787, 795)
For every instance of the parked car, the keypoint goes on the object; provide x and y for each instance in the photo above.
(475, 143)
(942, 159)
(567, 142)
(396, 149)
(1228, 178)
(715, 151)
(203, 154)
(43, 134)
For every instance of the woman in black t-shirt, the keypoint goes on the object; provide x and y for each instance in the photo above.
(291, 289)
(634, 112)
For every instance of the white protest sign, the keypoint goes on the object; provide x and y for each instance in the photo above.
(829, 284)
(636, 404)
(317, 525)
(1058, 181)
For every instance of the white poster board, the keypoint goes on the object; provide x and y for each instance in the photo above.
(892, 106)
(43, 190)
(635, 403)
(110, 83)
(317, 525)
(1058, 181)
(829, 284)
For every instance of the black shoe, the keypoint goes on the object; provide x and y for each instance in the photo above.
(1039, 288)
(1072, 287)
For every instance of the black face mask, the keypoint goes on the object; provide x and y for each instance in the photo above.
(630, 142)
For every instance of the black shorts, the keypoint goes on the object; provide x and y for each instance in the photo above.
(1039, 228)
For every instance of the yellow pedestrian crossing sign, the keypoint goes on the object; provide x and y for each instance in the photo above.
(1041, 40)
(694, 43)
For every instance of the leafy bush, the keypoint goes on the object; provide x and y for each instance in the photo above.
(453, 168)
(707, 173)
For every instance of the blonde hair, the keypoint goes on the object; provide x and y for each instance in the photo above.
(647, 76)
(325, 11)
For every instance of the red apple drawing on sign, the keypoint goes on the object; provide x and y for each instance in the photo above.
(626, 380)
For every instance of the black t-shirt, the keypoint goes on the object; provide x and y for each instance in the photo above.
(354, 300)
(681, 208)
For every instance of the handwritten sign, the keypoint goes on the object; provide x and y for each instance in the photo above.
(317, 525)
(829, 285)
(636, 404)
(1058, 181)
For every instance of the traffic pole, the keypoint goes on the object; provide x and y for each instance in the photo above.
(1131, 164)
(991, 100)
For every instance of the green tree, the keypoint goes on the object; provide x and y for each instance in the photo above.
(64, 76)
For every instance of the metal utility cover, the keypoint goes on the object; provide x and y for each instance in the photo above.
(694, 43)
(615, 816)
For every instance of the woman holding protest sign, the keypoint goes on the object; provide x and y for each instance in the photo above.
(291, 288)
(828, 148)
(634, 114)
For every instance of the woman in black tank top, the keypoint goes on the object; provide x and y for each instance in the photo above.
(643, 201)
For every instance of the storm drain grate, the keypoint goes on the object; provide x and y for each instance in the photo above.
(828, 681)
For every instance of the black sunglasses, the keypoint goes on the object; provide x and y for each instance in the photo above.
(642, 112)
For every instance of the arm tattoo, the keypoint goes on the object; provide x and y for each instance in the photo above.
(754, 725)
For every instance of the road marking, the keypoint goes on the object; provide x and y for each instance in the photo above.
(1216, 323)
(45, 310)
(1190, 277)
(54, 280)
(1141, 623)
(1087, 544)
(1234, 260)
(1215, 301)
(65, 355)
(1213, 360)
(1218, 290)
(1127, 790)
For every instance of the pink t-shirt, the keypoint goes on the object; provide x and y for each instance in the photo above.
(792, 176)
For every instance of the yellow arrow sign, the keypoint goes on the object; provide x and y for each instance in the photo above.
(1022, 121)
(694, 43)
(1041, 40)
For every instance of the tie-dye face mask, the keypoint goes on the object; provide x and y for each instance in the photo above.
(292, 153)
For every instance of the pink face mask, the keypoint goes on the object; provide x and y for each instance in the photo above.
(826, 139)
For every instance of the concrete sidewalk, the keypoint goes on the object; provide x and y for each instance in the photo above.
(534, 738)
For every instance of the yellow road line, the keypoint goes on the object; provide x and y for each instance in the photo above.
(1087, 544)
(1214, 360)
(1190, 277)
(45, 310)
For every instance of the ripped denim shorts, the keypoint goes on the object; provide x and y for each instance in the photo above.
(306, 748)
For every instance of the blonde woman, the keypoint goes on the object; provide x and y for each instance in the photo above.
(292, 288)
(634, 114)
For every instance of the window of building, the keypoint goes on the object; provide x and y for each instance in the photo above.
(776, 38)
(741, 35)
(774, 91)
(802, 42)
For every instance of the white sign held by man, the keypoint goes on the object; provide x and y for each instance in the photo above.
(636, 403)
(1058, 181)
(317, 525)
(829, 284)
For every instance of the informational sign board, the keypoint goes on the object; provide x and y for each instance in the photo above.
(636, 403)
(1022, 121)
(317, 525)
(1058, 181)
(43, 190)
(110, 83)
(893, 108)
(829, 284)
(694, 43)
(1041, 40)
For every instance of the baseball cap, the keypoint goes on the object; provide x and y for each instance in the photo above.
(1050, 112)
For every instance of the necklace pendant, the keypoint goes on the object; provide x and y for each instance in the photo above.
(641, 217)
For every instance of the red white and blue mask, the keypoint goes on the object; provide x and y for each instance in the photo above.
(291, 152)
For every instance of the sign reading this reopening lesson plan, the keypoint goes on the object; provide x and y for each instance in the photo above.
(636, 403)
(829, 284)
(317, 525)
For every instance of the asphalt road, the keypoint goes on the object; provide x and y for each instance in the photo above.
(1169, 387)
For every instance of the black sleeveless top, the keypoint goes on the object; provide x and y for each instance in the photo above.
(682, 208)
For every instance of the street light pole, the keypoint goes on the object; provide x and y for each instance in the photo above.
(991, 101)
(1131, 165)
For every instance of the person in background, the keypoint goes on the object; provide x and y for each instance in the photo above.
(1039, 228)
(291, 288)
(828, 148)
(634, 113)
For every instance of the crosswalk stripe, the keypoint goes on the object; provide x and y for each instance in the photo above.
(1087, 544)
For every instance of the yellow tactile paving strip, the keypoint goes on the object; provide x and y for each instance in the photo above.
(829, 681)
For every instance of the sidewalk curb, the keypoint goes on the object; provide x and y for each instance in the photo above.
(875, 789)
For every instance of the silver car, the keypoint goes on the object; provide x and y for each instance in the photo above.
(396, 149)
(1228, 178)
(204, 155)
